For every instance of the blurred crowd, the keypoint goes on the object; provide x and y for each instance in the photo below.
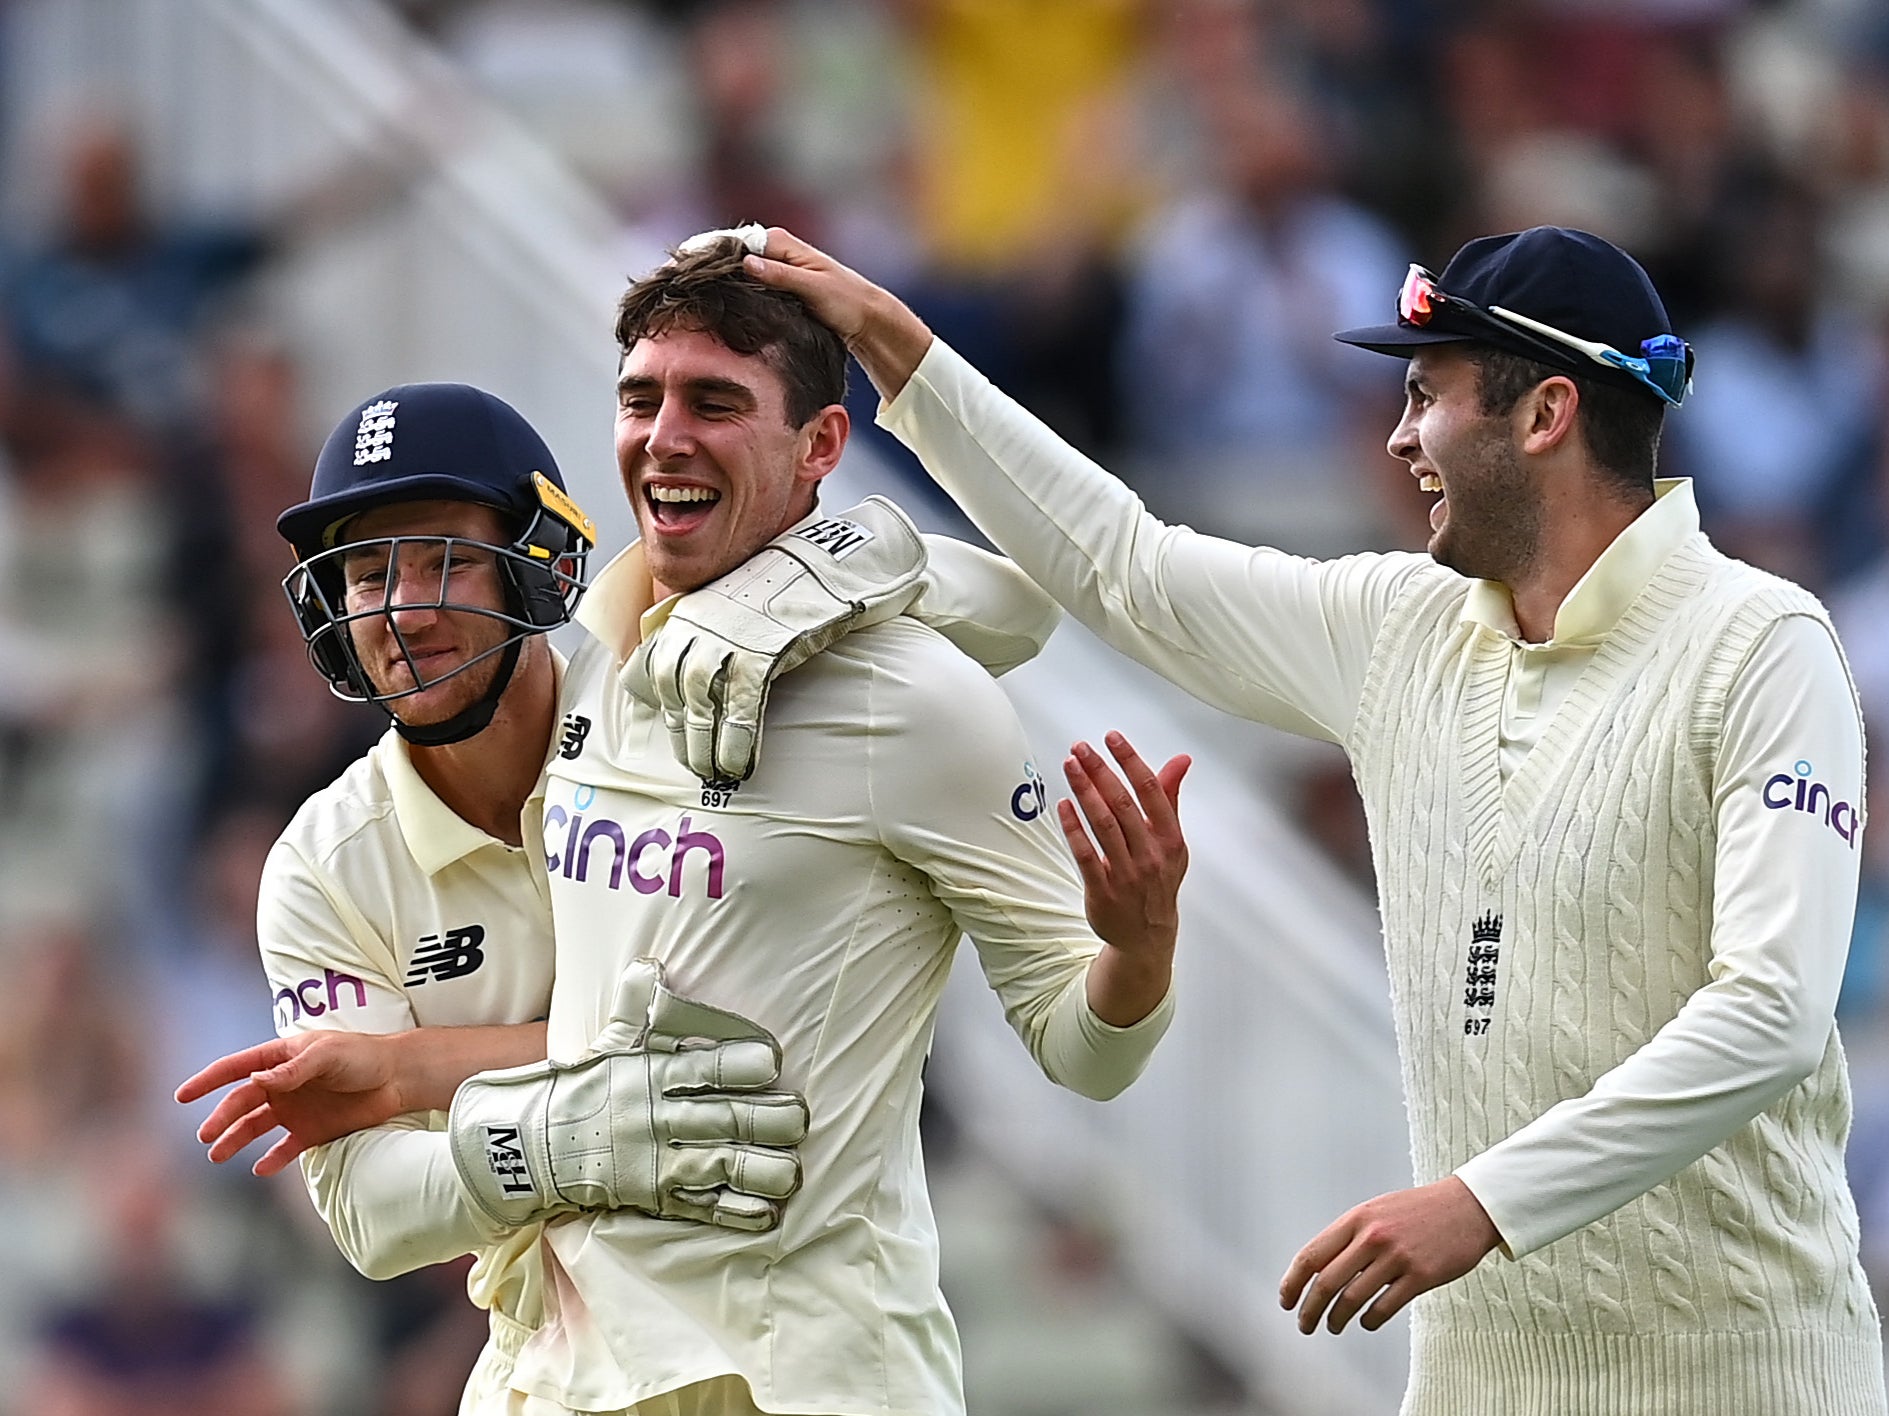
(1143, 218)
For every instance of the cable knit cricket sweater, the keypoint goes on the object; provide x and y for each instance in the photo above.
(1539, 933)
(1540, 930)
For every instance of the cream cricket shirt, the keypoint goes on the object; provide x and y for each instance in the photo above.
(896, 806)
(382, 910)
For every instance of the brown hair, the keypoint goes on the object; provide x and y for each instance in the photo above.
(710, 292)
(1620, 427)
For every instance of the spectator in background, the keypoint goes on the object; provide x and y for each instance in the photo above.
(1244, 412)
(223, 483)
(106, 312)
(1786, 417)
(68, 1088)
(96, 735)
(1366, 68)
(1026, 169)
(149, 1334)
(58, 1005)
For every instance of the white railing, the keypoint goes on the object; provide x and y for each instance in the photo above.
(1273, 1104)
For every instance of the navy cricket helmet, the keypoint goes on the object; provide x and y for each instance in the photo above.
(433, 442)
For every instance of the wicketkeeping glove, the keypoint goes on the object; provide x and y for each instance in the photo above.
(669, 1113)
(709, 665)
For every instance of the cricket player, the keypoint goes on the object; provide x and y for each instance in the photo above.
(1614, 782)
(820, 900)
(437, 547)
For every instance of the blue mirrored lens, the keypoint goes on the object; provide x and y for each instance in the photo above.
(1669, 364)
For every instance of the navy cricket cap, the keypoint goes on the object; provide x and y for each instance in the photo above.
(1573, 281)
(422, 442)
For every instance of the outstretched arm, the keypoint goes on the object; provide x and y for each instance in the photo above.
(1262, 634)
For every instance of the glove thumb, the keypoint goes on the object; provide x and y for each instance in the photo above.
(629, 1022)
(636, 677)
(674, 1019)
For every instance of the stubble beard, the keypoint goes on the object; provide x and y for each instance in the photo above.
(444, 698)
(1493, 530)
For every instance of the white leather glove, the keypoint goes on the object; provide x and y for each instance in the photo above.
(708, 666)
(669, 1113)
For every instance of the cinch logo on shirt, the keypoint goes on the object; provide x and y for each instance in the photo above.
(1031, 799)
(1795, 790)
(292, 1003)
(654, 860)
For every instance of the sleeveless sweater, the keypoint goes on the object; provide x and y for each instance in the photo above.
(1537, 933)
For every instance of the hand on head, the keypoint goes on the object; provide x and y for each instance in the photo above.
(878, 328)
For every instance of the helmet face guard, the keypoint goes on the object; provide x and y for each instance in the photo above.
(423, 443)
(541, 576)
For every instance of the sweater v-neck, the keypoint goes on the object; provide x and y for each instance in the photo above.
(1499, 813)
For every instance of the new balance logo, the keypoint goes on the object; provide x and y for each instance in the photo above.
(455, 955)
(374, 439)
(507, 1159)
(576, 729)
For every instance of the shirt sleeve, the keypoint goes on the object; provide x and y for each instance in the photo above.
(984, 605)
(327, 966)
(1265, 635)
(972, 812)
(392, 1198)
(1783, 898)
(390, 1195)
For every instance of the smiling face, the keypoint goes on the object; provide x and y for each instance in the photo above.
(412, 641)
(1488, 521)
(713, 468)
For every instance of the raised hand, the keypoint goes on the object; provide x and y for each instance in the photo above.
(1131, 872)
(1131, 885)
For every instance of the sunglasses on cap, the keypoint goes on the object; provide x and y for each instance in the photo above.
(1664, 364)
